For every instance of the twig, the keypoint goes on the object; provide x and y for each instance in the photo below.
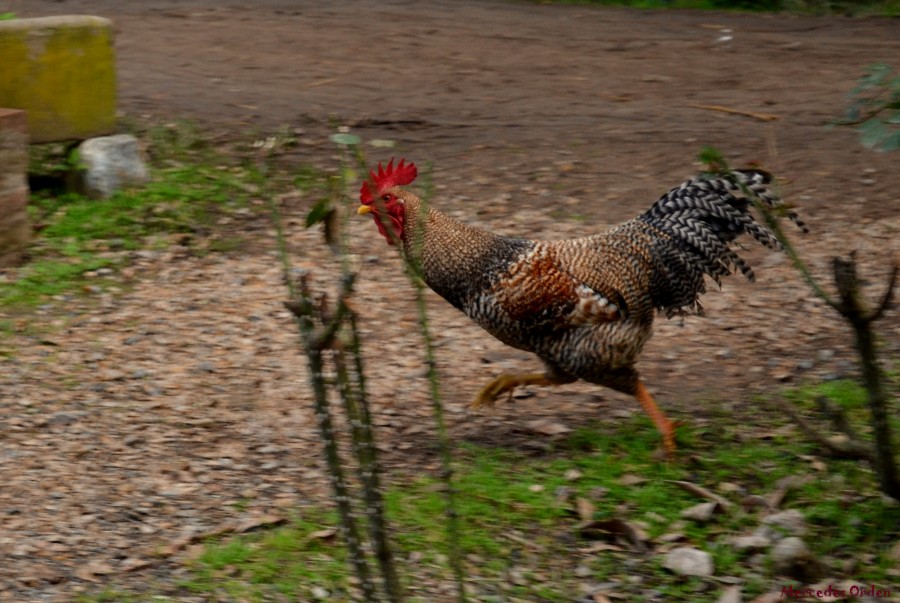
(303, 311)
(411, 262)
(302, 307)
(721, 109)
(850, 449)
(851, 307)
(703, 493)
(453, 532)
(356, 405)
(861, 319)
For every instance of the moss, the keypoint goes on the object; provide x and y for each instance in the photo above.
(61, 70)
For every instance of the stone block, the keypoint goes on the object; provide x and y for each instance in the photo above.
(61, 70)
(15, 228)
(108, 164)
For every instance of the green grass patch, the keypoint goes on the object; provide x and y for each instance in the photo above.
(193, 186)
(79, 235)
(521, 538)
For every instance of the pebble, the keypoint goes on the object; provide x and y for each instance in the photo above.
(791, 557)
(688, 561)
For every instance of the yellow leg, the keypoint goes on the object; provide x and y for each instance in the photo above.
(663, 424)
(506, 383)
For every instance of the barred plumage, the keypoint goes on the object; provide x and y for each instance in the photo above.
(585, 306)
(698, 220)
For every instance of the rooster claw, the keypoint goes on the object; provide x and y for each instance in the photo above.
(505, 384)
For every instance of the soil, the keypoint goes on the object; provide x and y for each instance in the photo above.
(179, 407)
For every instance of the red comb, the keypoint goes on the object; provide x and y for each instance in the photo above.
(389, 177)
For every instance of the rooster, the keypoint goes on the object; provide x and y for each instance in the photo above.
(584, 306)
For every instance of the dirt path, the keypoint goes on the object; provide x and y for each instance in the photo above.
(181, 406)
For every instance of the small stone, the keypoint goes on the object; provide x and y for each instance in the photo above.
(110, 163)
(687, 561)
(791, 521)
(791, 557)
(750, 542)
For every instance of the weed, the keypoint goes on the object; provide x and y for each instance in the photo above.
(520, 537)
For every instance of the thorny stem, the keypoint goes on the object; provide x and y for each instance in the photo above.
(852, 309)
(352, 392)
(446, 450)
(303, 310)
(860, 319)
(370, 471)
(775, 226)
(414, 272)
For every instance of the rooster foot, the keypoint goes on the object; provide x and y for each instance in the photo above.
(664, 425)
(505, 384)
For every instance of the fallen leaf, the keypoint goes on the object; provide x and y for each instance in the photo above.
(325, 534)
(702, 512)
(703, 493)
(257, 523)
(584, 508)
(732, 594)
(92, 569)
(547, 427)
(617, 530)
(630, 479)
(599, 547)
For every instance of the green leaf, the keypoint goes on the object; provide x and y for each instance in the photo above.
(713, 158)
(318, 213)
(382, 143)
(891, 143)
(344, 138)
(871, 132)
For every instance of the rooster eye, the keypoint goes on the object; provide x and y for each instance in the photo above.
(386, 198)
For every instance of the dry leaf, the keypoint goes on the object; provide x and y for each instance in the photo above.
(732, 594)
(584, 508)
(547, 427)
(325, 534)
(599, 547)
(257, 523)
(573, 474)
(617, 530)
(703, 493)
(630, 479)
(702, 512)
(92, 569)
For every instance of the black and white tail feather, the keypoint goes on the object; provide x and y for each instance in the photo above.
(699, 220)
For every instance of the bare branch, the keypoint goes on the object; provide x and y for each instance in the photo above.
(849, 449)
(887, 300)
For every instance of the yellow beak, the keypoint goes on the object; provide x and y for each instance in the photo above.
(364, 209)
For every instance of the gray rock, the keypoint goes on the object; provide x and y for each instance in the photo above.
(750, 542)
(791, 521)
(110, 163)
(791, 557)
(687, 561)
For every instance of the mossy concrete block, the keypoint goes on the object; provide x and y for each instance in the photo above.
(15, 228)
(61, 70)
